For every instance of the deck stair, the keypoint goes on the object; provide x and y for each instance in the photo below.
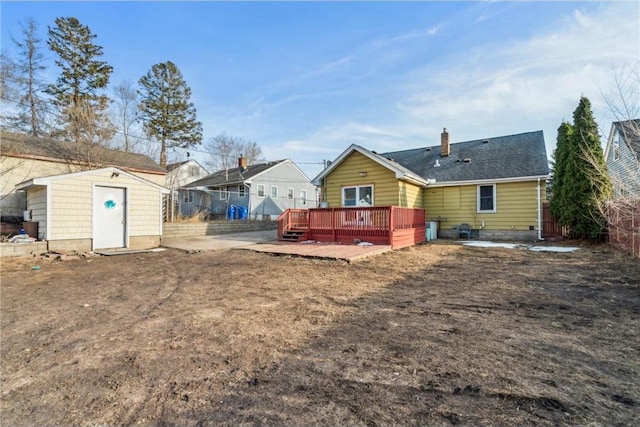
(293, 235)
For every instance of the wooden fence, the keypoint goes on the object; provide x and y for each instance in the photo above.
(624, 225)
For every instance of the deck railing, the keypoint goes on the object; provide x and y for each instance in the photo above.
(379, 225)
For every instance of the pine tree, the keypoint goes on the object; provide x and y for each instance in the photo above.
(32, 106)
(79, 91)
(166, 113)
(589, 185)
(579, 187)
(558, 202)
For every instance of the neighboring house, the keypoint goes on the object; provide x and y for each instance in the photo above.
(262, 190)
(23, 157)
(180, 174)
(496, 185)
(95, 209)
(622, 155)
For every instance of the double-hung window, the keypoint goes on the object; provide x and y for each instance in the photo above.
(274, 192)
(487, 198)
(188, 197)
(303, 197)
(357, 196)
(260, 190)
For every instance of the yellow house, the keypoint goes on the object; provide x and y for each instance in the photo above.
(496, 186)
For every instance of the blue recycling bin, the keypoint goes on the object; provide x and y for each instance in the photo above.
(231, 212)
(242, 213)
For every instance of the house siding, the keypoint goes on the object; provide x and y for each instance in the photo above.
(516, 206)
(37, 202)
(623, 170)
(17, 170)
(410, 195)
(386, 188)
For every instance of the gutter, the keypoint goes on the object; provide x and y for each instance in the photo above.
(539, 213)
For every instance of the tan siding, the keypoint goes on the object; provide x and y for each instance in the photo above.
(516, 206)
(385, 187)
(16, 170)
(71, 205)
(37, 203)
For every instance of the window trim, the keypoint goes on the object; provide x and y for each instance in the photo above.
(223, 193)
(303, 197)
(260, 186)
(494, 198)
(242, 192)
(188, 197)
(290, 194)
(357, 187)
(274, 195)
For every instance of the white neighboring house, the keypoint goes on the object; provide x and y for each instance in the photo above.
(180, 174)
(259, 191)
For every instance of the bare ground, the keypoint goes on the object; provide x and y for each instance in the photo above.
(431, 335)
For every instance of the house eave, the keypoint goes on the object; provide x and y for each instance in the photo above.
(487, 181)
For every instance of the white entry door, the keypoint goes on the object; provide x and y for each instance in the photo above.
(109, 217)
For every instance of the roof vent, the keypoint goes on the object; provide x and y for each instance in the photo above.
(485, 141)
(467, 160)
(437, 165)
(428, 149)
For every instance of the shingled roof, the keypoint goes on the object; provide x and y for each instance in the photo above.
(29, 147)
(503, 157)
(232, 176)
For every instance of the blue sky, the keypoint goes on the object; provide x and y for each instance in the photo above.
(307, 79)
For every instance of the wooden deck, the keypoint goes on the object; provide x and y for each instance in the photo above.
(387, 225)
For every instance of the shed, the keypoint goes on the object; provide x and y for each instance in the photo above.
(96, 209)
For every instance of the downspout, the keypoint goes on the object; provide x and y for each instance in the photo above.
(248, 193)
(539, 213)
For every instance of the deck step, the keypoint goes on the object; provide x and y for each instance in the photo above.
(292, 235)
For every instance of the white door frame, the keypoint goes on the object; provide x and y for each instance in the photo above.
(94, 216)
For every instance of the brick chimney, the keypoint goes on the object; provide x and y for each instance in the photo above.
(242, 162)
(445, 148)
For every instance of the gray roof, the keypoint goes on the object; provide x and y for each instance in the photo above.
(630, 130)
(512, 156)
(232, 176)
(20, 145)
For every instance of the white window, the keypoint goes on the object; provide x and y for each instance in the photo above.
(274, 192)
(357, 196)
(194, 170)
(188, 197)
(303, 197)
(260, 190)
(290, 193)
(487, 198)
(616, 151)
(241, 191)
(223, 193)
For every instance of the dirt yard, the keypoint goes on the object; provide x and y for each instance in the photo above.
(432, 335)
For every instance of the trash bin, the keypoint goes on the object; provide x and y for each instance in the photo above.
(242, 213)
(31, 228)
(231, 212)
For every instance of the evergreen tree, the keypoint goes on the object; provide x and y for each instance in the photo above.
(31, 107)
(558, 202)
(166, 112)
(79, 91)
(580, 180)
(590, 184)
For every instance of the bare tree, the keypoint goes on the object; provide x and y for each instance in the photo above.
(31, 105)
(126, 107)
(224, 151)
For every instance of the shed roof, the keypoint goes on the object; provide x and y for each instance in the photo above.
(46, 149)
